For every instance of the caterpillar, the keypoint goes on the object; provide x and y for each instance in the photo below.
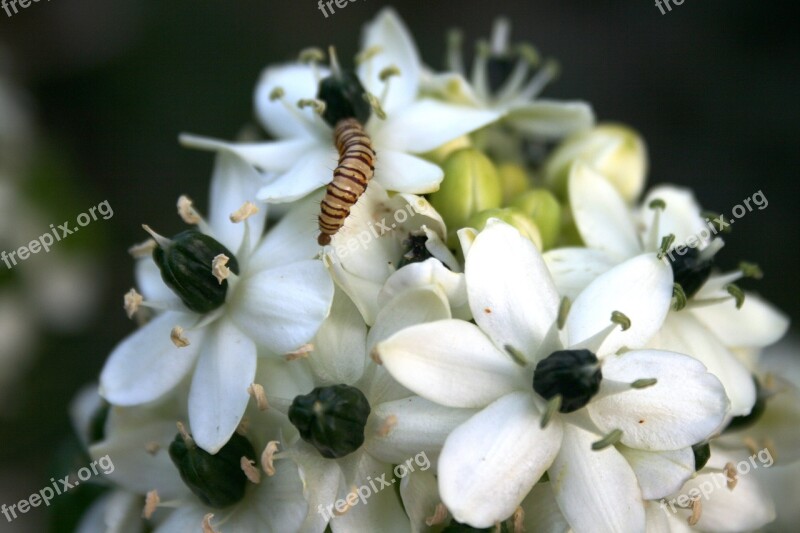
(345, 110)
(350, 179)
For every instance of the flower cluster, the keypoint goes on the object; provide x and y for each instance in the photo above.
(518, 320)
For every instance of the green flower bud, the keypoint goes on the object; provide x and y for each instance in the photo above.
(543, 208)
(514, 181)
(332, 419)
(440, 154)
(185, 263)
(615, 151)
(471, 184)
(512, 216)
(218, 480)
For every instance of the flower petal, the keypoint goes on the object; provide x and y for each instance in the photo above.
(596, 490)
(551, 119)
(282, 308)
(640, 288)
(267, 155)
(758, 323)
(389, 35)
(218, 397)
(417, 305)
(660, 473)
(682, 333)
(401, 172)
(151, 285)
(450, 362)
(573, 269)
(490, 463)
(428, 124)
(297, 82)
(603, 219)
(511, 294)
(310, 171)
(420, 494)
(234, 182)
(542, 514)
(146, 365)
(403, 428)
(340, 346)
(684, 407)
(681, 217)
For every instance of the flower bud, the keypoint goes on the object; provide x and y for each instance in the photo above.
(615, 151)
(542, 207)
(332, 419)
(185, 264)
(471, 184)
(512, 216)
(440, 154)
(513, 180)
(218, 480)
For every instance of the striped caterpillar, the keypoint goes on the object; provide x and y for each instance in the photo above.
(350, 179)
(346, 110)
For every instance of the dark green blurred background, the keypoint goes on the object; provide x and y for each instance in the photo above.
(712, 86)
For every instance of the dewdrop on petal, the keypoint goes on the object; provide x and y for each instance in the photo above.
(615, 151)
(543, 208)
(512, 216)
(471, 184)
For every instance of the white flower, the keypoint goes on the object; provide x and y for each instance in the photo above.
(501, 82)
(303, 156)
(711, 321)
(490, 463)
(275, 304)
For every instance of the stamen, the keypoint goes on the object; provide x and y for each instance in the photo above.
(151, 502)
(439, 515)
(553, 406)
(737, 293)
(480, 76)
(311, 55)
(697, 511)
(679, 295)
(160, 239)
(152, 447)
(218, 268)
(376, 358)
(367, 54)
(207, 527)
(731, 475)
(454, 58)
(143, 249)
(317, 105)
(256, 391)
(619, 318)
(751, 445)
(657, 205)
(388, 72)
(500, 36)
(132, 301)
(187, 439)
(267, 458)
(375, 104)
(643, 383)
(336, 70)
(249, 469)
(277, 94)
(751, 270)
(563, 312)
(301, 353)
(187, 211)
(769, 444)
(666, 243)
(516, 355)
(545, 75)
(713, 218)
(247, 210)
(177, 337)
(388, 425)
(519, 519)
(609, 440)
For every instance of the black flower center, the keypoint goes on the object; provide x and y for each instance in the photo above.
(332, 419)
(573, 374)
(343, 95)
(689, 269)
